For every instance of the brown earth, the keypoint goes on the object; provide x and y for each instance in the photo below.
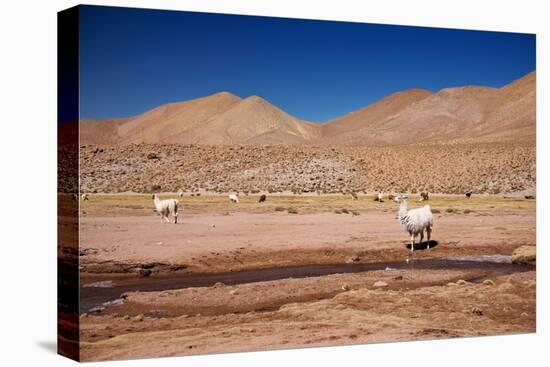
(465, 114)
(372, 114)
(120, 235)
(213, 234)
(451, 169)
(462, 114)
(354, 317)
(222, 118)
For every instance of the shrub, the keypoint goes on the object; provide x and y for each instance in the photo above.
(345, 211)
(451, 210)
(337, 211)
(436, 211)
(292, 210)
(280, 208)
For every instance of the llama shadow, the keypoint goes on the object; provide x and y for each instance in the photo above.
(423, 245)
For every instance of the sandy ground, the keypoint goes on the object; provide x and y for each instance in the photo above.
(121, 236)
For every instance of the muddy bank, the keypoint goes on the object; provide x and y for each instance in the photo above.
(99, 292)
(247, 258)
(363, 315)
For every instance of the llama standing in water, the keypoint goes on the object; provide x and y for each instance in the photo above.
(415, 221)
(165, 208)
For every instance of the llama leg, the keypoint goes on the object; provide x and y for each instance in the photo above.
(412, 242)
(429, 233)
(176, 218)
(421, 237)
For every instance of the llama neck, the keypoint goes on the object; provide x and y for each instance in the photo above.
(403, 209)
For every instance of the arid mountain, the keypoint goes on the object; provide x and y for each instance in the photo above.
(514, 115)
(91, 132)
(169, 122)
(100, 131)
(222, 118)
(372, 115)
(251, 120)
(464, 114)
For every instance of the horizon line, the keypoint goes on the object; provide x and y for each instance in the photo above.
(315, 122)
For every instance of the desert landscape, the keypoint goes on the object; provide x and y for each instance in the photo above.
(319, 262)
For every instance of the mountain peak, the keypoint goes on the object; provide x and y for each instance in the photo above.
(412, 91)
(225, 94)
(255, 99)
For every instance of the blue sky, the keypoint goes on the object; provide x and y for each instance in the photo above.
(133, 60)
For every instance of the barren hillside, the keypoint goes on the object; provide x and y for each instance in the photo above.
(515, 115)
(449, 169)
(169, 121)
(252, 120)
(100, 131)
(222, 118)
(463, 114)
(344, 127)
